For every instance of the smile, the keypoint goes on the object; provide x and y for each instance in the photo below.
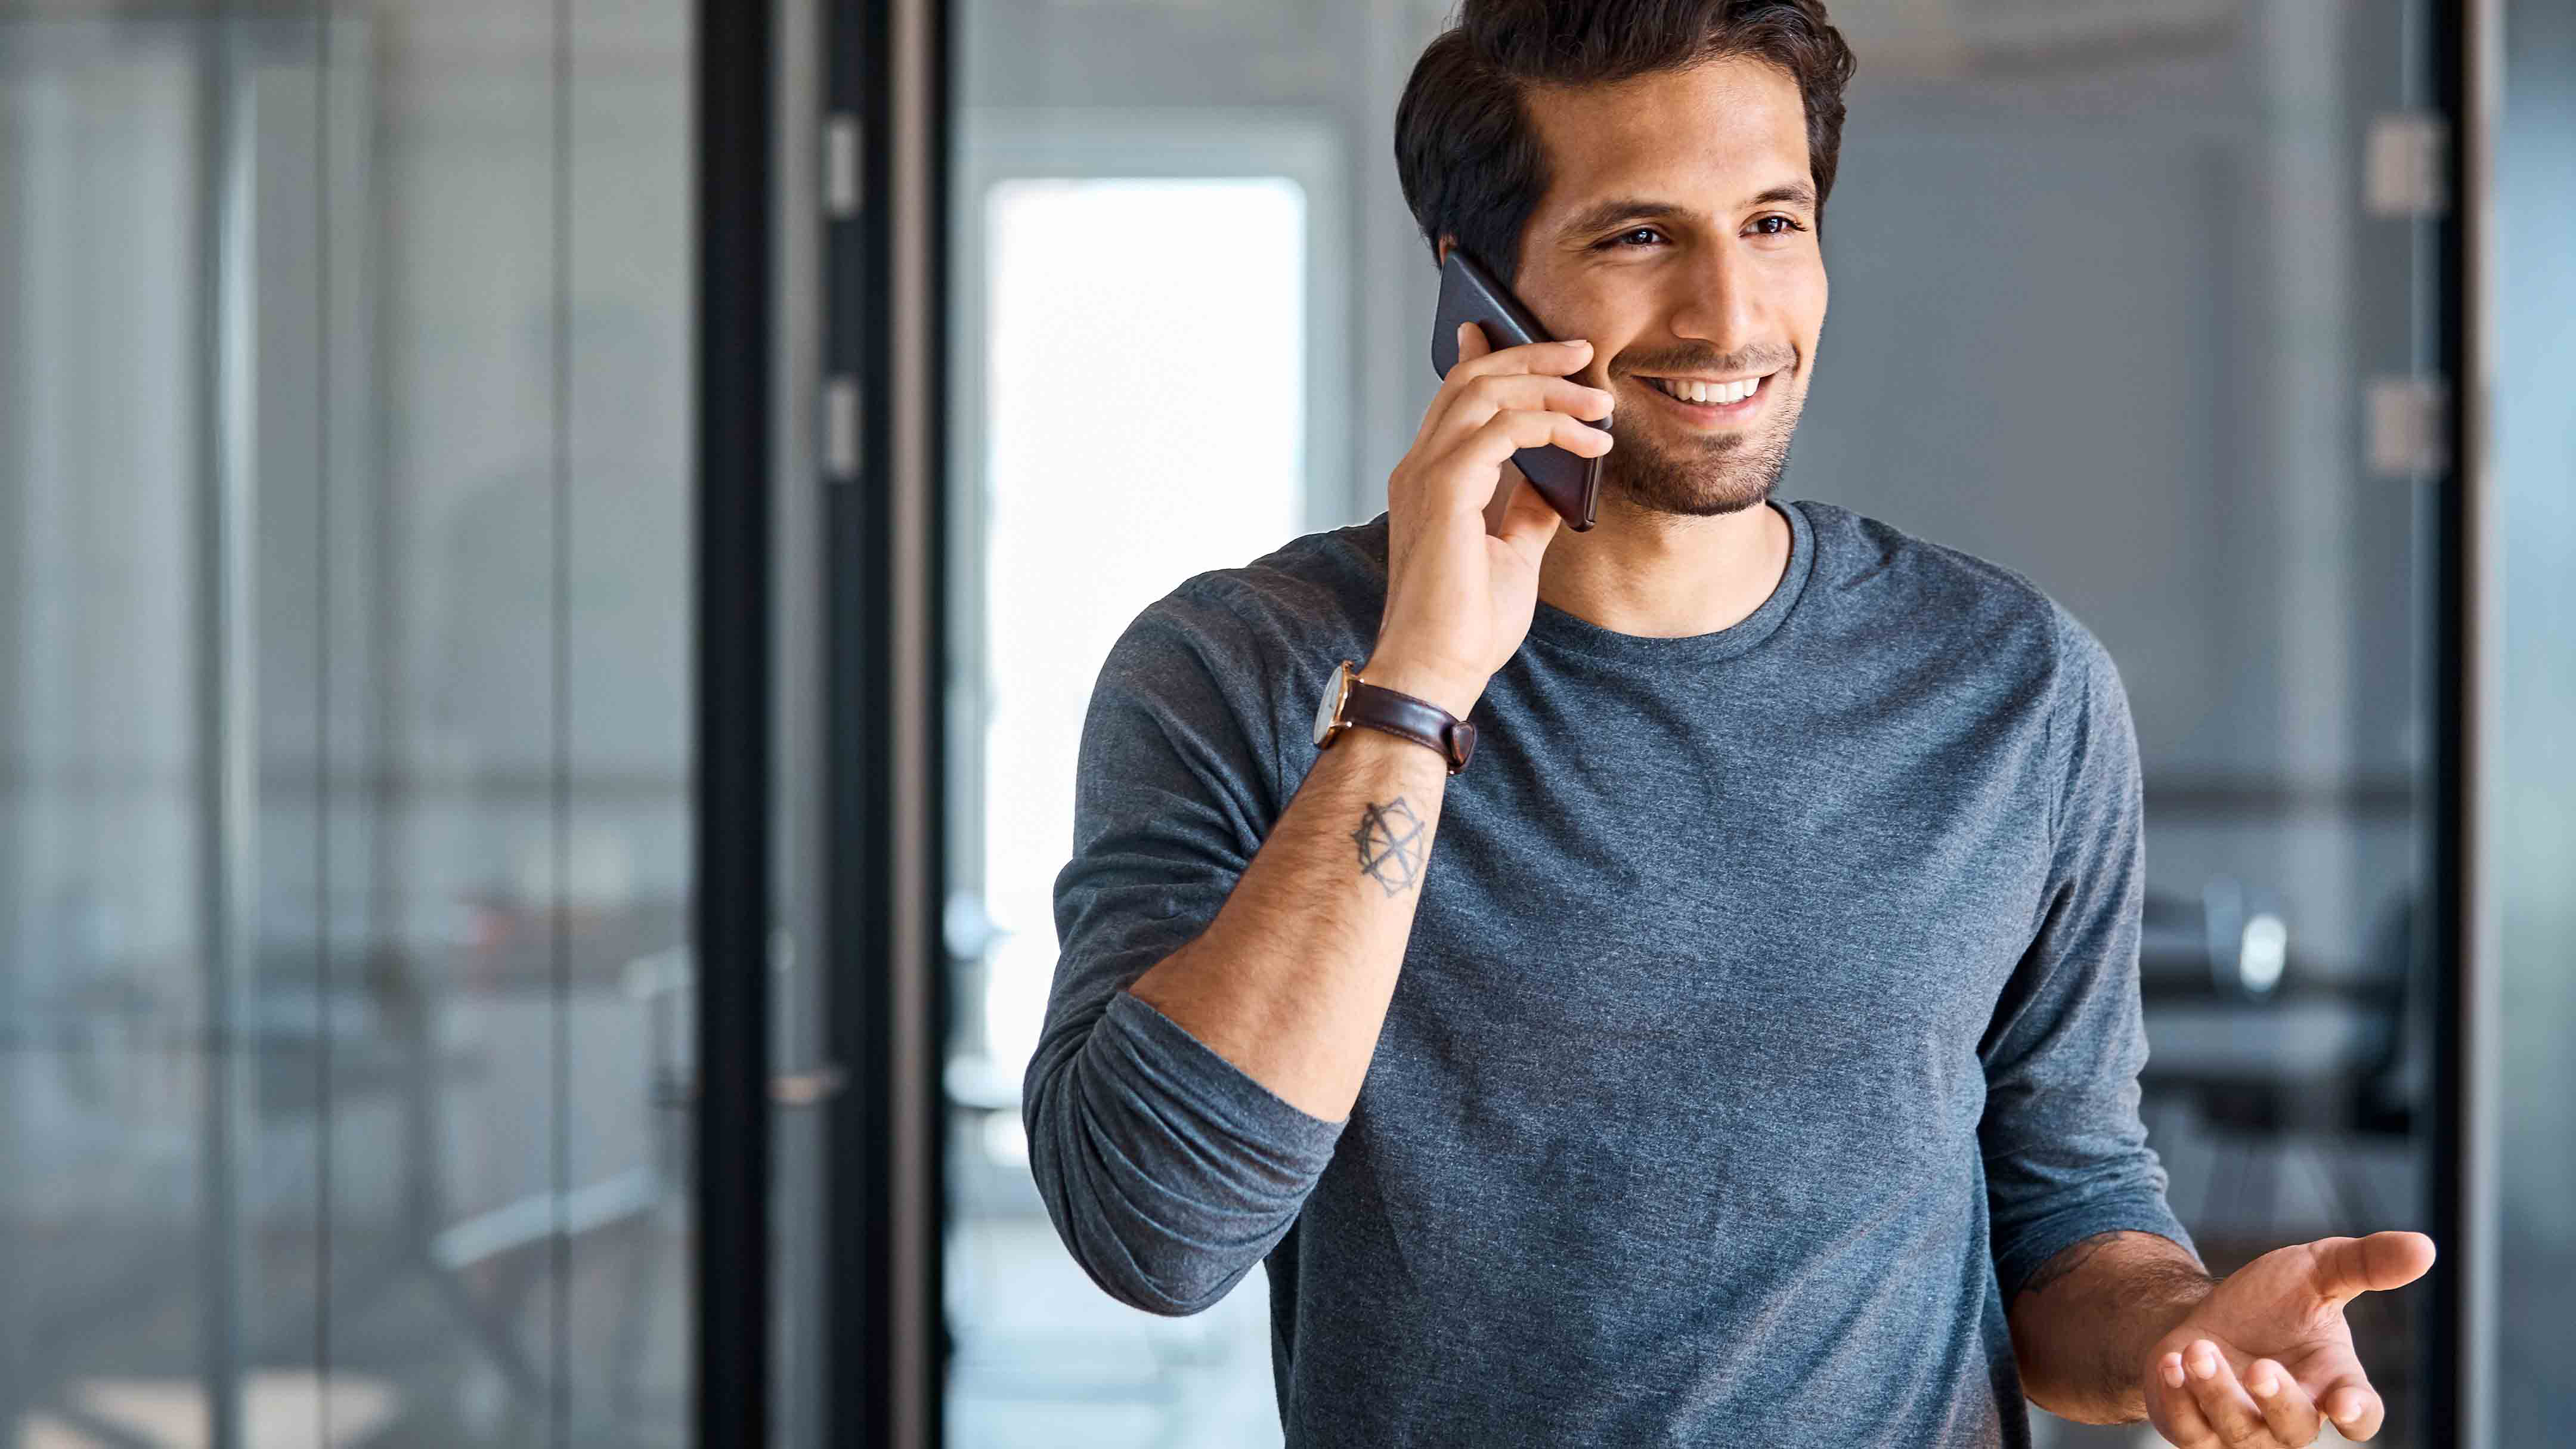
(1705, 401)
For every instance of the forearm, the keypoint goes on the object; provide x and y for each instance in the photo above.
(1291, 979)
(2085, 1325)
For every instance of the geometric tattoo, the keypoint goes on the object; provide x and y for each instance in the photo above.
(1390, 842)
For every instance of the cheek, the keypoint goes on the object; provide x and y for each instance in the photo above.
(1811, 308)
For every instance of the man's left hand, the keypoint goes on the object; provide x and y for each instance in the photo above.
(2268, 1351)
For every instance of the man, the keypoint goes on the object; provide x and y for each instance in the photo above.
(1740, 1046)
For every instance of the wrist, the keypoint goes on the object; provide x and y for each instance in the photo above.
(1451, 692)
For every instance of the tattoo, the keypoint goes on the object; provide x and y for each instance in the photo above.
(2074, 1256)
(1390, 842)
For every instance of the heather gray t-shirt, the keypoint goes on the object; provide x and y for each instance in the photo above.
(1770, 1011)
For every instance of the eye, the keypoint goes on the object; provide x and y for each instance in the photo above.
(1791, 222)
(1635, 231)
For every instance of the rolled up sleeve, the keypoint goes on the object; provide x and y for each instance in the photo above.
(2066, 1155)
(1167, 1170)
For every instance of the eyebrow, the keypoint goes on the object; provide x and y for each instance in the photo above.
(1602, 215)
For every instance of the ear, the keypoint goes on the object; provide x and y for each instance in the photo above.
(1440, 251)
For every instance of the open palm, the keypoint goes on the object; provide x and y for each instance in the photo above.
(2268, 1351)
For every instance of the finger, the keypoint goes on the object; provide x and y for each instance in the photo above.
(1471, 402)
(2348, 1266)
(2287, 1409)
(1529, 520)
(1536, 391)
(2184, 1426)
(1471, 344)
(1557, 357)
(2354, 1406)
(1513, 429)
(2222, 1400)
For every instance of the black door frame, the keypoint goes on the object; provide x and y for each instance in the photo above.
(886, 73)
(2467, 91)
(885, 69)
(731, 907)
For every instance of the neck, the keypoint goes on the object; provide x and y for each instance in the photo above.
(1664, 575)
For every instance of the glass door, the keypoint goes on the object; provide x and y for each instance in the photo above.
(345, 724)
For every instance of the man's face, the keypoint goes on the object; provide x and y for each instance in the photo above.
(1679, 235)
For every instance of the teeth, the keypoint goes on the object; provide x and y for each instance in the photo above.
(1708, 392)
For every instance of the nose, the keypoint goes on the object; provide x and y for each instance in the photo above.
(1717, 300)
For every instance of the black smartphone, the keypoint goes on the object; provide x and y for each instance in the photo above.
(1570, 482)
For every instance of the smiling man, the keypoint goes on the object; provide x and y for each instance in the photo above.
(1734, 1038)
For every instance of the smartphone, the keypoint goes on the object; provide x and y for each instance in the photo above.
(1570, 482)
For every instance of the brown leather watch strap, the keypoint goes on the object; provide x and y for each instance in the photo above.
(1418, 720)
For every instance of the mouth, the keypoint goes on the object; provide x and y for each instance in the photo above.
(1712, 403)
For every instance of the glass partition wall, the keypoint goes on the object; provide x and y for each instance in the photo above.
(2141, 301)
(345, 683)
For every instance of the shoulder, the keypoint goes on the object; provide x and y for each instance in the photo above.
(1862, 554)
(1313, 595)
(1247, 648)
(1955, 604)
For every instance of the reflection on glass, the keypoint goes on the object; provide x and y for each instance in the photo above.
(343, 713)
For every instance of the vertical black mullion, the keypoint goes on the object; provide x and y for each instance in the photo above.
(731, 907)
(2443, 935)
(2453, 1413)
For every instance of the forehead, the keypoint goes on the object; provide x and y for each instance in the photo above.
(1710, 135)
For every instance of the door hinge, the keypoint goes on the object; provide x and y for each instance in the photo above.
(841, 425)
(2410, 426)
(2406, 165)
(840, 166)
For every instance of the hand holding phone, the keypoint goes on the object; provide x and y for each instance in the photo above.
(1459, 599)
(1569, 481)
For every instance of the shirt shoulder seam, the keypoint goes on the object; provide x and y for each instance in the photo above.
(2062, 658)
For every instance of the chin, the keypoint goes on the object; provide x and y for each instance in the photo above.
(1708, 489)
(1727, 475)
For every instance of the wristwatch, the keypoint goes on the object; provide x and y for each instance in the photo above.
(1350, 700)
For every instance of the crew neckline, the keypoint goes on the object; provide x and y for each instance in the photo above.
(1555, 627)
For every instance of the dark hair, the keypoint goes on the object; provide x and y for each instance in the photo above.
(1471, 163)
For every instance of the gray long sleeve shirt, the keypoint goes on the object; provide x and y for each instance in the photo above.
(1770, 1010)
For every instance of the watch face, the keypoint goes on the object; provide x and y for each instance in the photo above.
(1331, 709)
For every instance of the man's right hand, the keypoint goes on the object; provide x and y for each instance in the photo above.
(1459, 599)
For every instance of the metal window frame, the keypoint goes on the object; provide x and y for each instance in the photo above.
(735, 46)
(2467, 81)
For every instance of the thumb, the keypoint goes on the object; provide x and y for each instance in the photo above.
(2346, 1267)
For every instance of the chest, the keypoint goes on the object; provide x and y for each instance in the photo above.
(1844, 881)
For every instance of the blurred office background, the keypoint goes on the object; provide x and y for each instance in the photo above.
(350, 377)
